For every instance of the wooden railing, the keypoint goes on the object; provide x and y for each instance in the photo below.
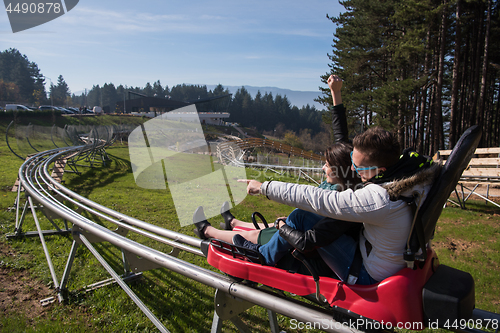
(266, 143)
(484, 167)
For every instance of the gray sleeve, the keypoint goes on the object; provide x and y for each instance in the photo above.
(370, 204)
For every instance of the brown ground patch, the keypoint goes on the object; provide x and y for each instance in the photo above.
(455, 245)
(19, 291)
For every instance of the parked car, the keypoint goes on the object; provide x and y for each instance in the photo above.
(16, 107)
(64, 110)
(97, 109)
(46, 107)
(75, 110)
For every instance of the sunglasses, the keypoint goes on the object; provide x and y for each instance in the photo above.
(361, 169)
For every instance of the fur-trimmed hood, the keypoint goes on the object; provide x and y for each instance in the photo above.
(405, 186)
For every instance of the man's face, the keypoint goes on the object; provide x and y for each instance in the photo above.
(365, 169)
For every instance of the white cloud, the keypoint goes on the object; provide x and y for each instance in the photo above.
(109, 21)
(106, 21)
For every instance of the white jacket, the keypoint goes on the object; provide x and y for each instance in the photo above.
(387, 222)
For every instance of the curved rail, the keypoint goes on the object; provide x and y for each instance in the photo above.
(43, 190)
(7, 141)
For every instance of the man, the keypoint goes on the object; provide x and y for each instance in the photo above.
(380, 205)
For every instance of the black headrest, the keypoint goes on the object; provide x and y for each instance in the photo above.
(447, 180)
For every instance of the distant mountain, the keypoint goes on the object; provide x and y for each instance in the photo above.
(297, 98)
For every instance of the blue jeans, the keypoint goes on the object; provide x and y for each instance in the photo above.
(338, 255)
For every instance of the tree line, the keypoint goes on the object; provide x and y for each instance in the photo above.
(22, 82)
(264, 112)
(20, 79)
(427, 69)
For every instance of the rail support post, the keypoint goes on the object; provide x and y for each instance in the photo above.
(228, 307)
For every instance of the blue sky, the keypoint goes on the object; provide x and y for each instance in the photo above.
(258, 43)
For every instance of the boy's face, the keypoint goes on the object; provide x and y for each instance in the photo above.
(365, 169)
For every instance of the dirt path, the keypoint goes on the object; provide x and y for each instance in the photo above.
(19, 291)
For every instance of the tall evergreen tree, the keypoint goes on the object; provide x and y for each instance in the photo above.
(148, 90)
(94, 96)
(59, 92)
(109, 97)
(16, 68)
(158, 90)
(219, 91)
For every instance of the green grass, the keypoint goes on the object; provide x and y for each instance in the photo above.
(467, 240)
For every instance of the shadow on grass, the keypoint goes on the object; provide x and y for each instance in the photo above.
(180, 303)
(478, 206)
(177, 301)
(98, 177)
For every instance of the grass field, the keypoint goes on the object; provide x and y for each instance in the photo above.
(467, 240)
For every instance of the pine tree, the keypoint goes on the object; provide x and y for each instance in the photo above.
(59, 92)
(396, 57)
(158, 90)
(148, 90)
(17, 69)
